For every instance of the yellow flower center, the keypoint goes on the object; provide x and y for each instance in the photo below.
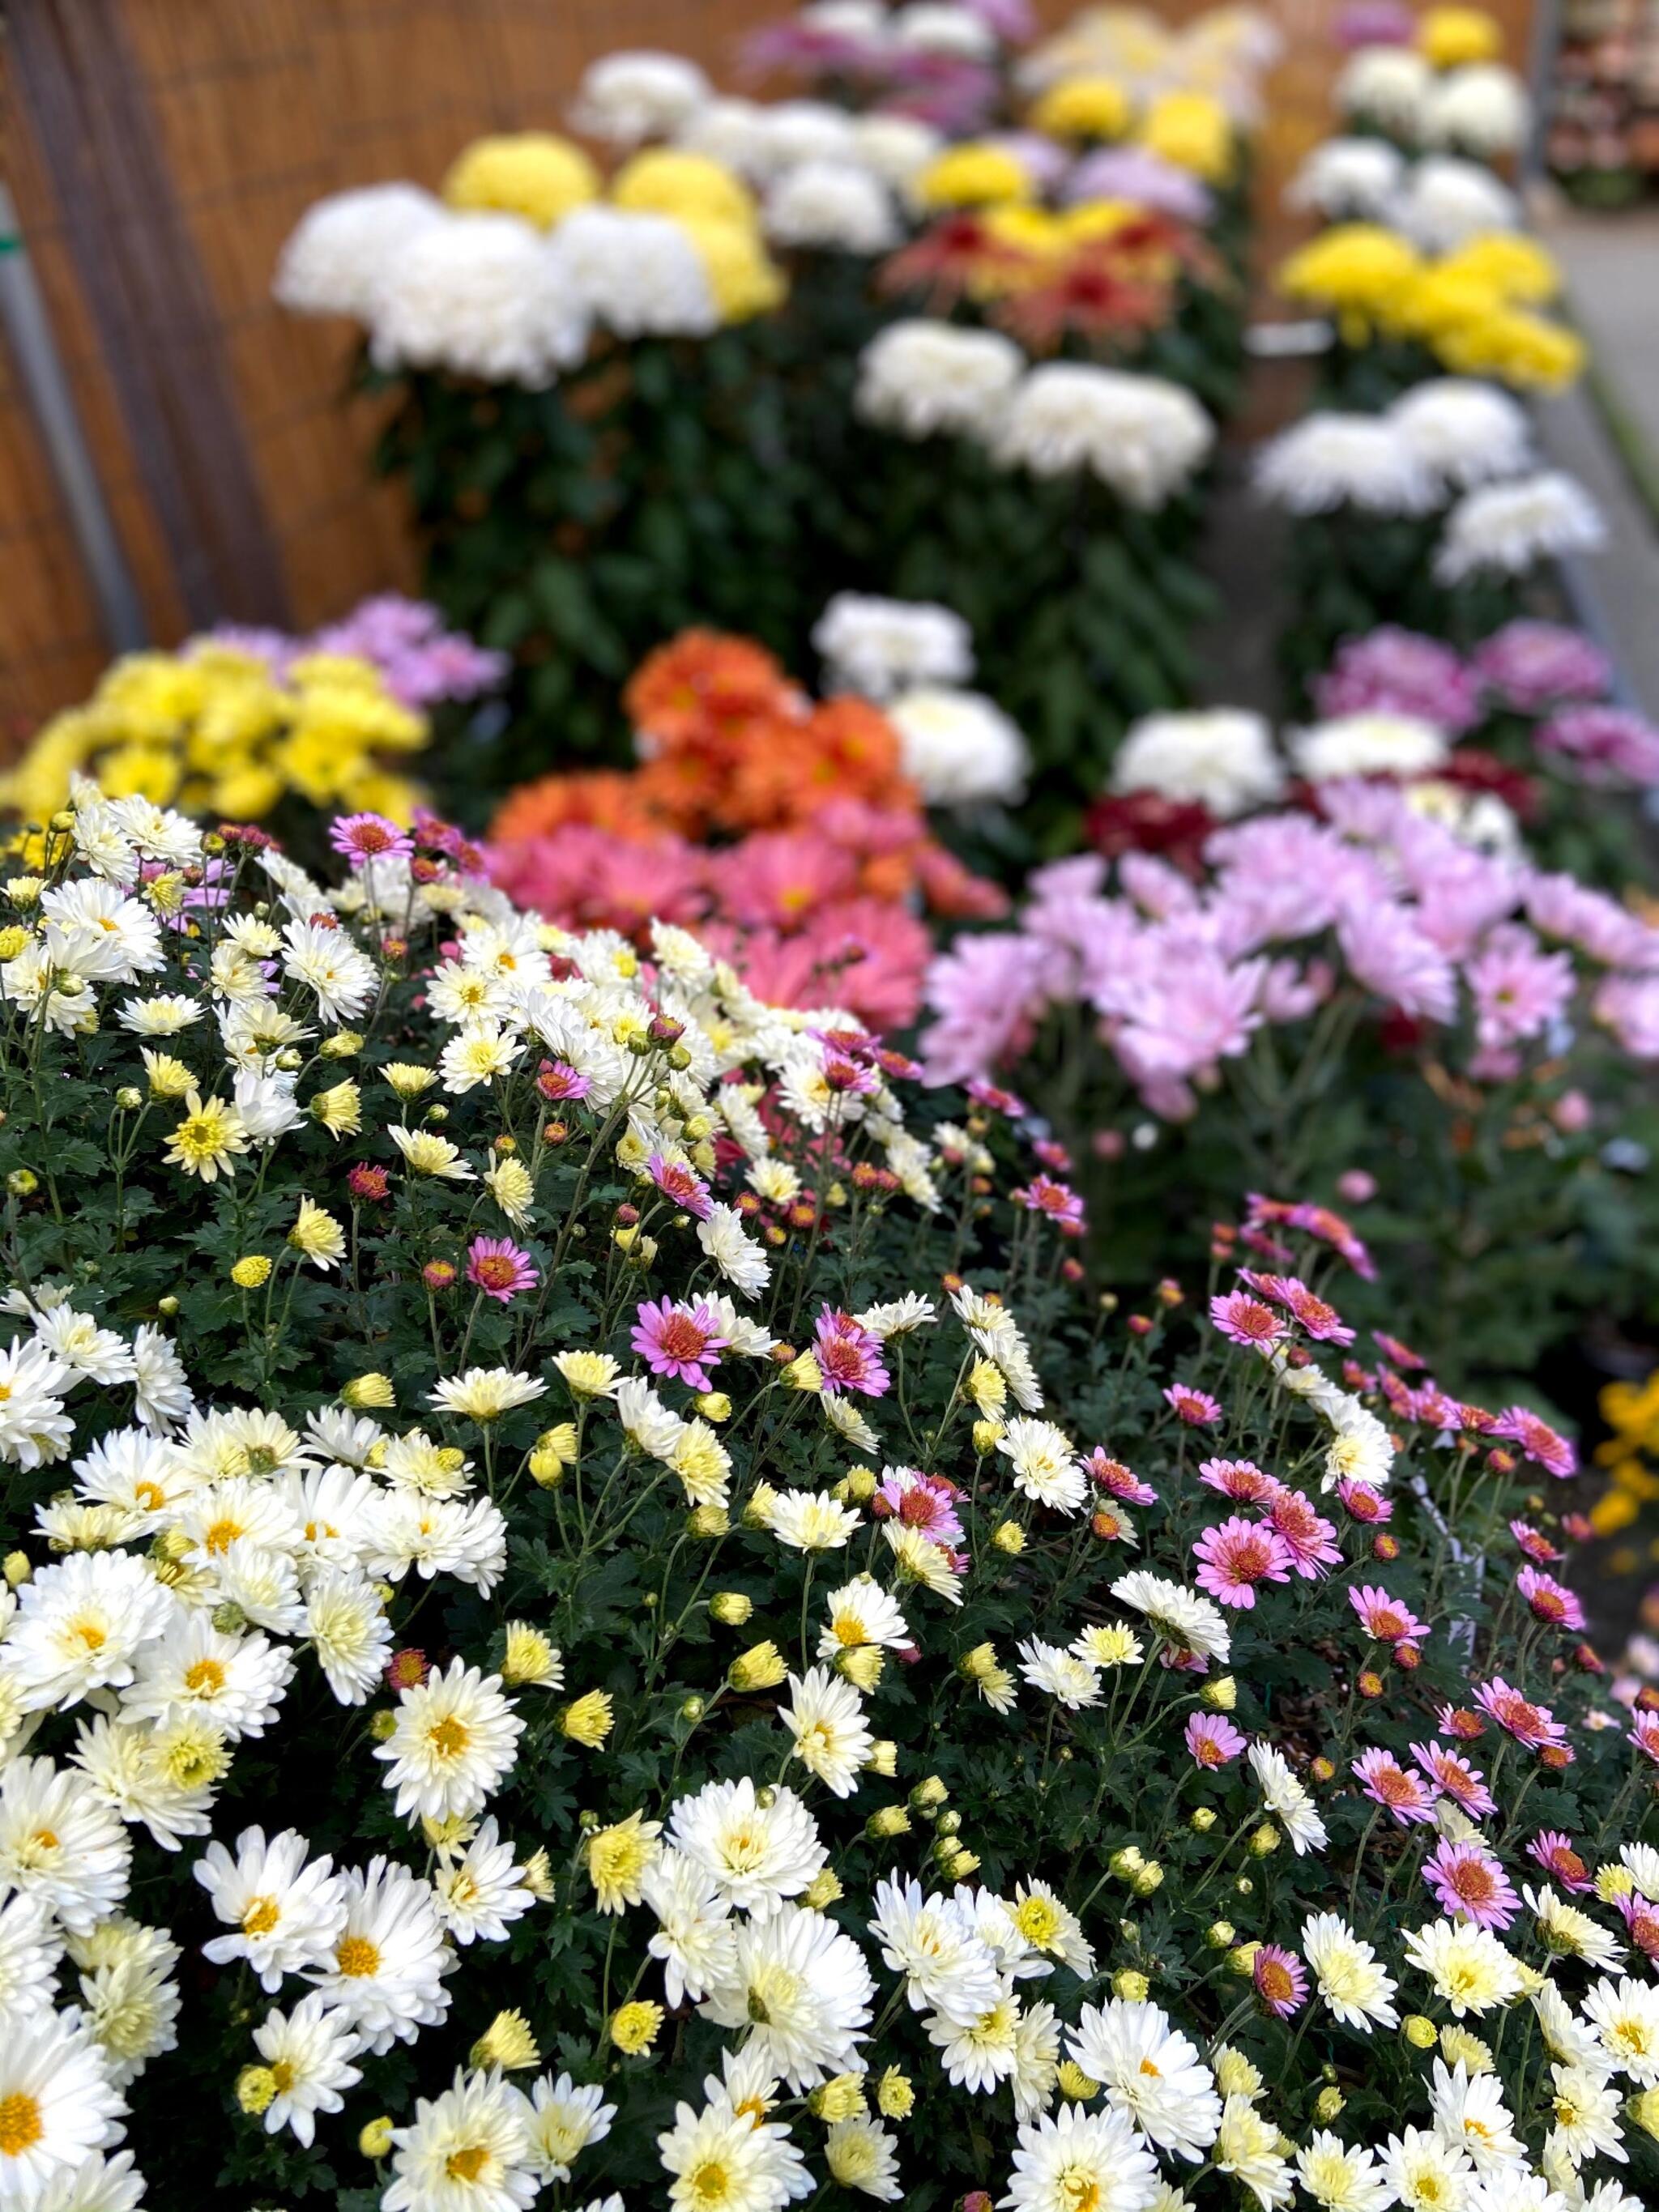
(282, 2074)
(449, 1737)
(709, 2183)
(221, 1534)
(262, 1914)
(90, 1635)
(356, 1957)
(150, 1495)
(204, 1678)
(468, 2164)
(20, 2123)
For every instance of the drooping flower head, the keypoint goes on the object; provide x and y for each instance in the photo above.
(1535, 1726)
(1549, 1600)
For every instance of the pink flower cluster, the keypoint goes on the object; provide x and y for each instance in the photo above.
(1376, 900)
(423, 663)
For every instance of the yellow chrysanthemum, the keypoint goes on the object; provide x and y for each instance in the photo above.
(1450, 37)
(532, 174)
(662, 181)
(1194, 130)
(1356, 269)
(1084, 108)
(1523, 273)
(973, 175)
(743, 276)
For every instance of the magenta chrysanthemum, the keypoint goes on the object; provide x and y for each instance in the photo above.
(848, 1355)
(1467, 1879)
(674, 1337)
(1236, 1556)
(360, 838)
(499, 1268)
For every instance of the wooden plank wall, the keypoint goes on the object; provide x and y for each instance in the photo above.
(197, 134)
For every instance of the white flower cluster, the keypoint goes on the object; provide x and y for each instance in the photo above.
(1142, 436)
(1481, 108)
(1440, 202)
(1440, 438)
(1509, 529)
(763, 141)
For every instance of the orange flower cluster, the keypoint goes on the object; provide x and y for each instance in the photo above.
(1103, 273)
(730, 747)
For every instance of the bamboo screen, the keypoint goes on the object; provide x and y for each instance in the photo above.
(159, 152)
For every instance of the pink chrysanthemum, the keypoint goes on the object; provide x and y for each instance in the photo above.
(1058, 1200)
(675, 1181)
(1529, 1724)
(1237, 1478)
(926, 1502)
(1213, 1740)
(1281, 1981)
(1435, 1408)
(848, 1355)
(1535, 1544)
(1236, 1556)
(1196, 1407)
(497, 1266)
(1459, 1721)
(439, 1274)
(1550, 1601)
(1385, 1621)
(1401, 1354)
(1363, 1502)
(677, 1338)
(1309, 1537)
(1554, 1853)
(360, 838)
(558, 1082)
(1467, 1879)
(1644, 1733)
(1461, 1783)
(1245, 1319)
(1641, 1922)
(1404, 1796)
(1117, 1480)
(1320, 1320)
(998, 1101)
(1538, 1440)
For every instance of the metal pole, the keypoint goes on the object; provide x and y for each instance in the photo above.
(23, 316)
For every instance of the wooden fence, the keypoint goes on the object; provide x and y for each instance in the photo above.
(159, 151)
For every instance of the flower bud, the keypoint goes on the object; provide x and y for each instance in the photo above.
(860, 1485)
(370, 1392)
(1421, 2033)
(1008, 1536)
(1148, 1878)
(1201, 1820)
(375, 2140)
(730, 1607)
(986, 1436)
(1125, 1863)
(762, 1666)
(928, 1796)
(1321, 1769)
(128, 1099)
(1644, 2111)
(1131, 1985)
(1221, 1695)
(1220, 1934)
(382, 1726)
(822, 1891)
(1264, 1841)
(1244, 1886)
(17, 1569)
(895, 2097)
(889, 1820)
(1384, 1545)
(256, 2088)
(507, 2042)
(715, 1405)
(883, 1759)
(842, 2099)
(167, 1306)
(1075, 2085)
(1241, 1959)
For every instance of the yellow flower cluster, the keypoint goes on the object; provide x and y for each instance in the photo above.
(1084, 108)
(1453, 38)
(542, 178)
(214, 731)
(1631, 1410)
(1471, 308)
(1192, 130)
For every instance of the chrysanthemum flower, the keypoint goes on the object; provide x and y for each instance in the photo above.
(1194, 1407)
(1385, 1620)
(1466, 1878)
(1280, 1979)
(1554, 1853)
(496, 1265)
(1549, 1600)
(1535, 1726)
(1404, 1796)
(848, 1355)
(676, 1337)
(363, 838)
(1213, 1740)
(1236, 1556)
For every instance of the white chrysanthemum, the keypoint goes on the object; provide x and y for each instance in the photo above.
(1044, 1462)
(30, 1947)
(35, 1430)
(1467, 1965)
(1142, 436)
(1330, 460)
(833, 1739)
(1507, 529)
(197, 1671)
(900, 1317)
(484, 1394)
(1341, 2177)
(467, 2150)
(922, 378)
(1150, 2071)
(636, 94)
(878, 647)
(1285, 1795)
(1348, 179)
(1444, 203)
(131, 2006)
(740, 1259)
(1569, 1933)
(898, 148)
(288, 1910)
(336, 259)
(309, 2052)
(481, 1890)
(1346, 1973)
(479, 295)
(860, 2155)
(1221, 758)
(455, 1738)
(724, 2158)
(1625, 2015)
(639, 274)
(1071, 1680)
(803, 1992)
(814, 1521)
(931, 1940)
(80, 1627)
(801, 131)
(94, 928)
(1465, 433)
(101, 1355)
(736, 133)
(1076, 2157)
(1426, 2173)
(347, 1627)
(1482, 108)
(60, 1844)
(563, 2120)
(859, 1614)
(162, 1777)
(1584, 2110)
(98, 2184)
(830, 204)
(386, 1965)
(1387, 85)
(756, 1855)
(936, 27)
(958, 747)
(695, 1933)
(1377, 743)
(59, 2104)
(1183, 1619)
